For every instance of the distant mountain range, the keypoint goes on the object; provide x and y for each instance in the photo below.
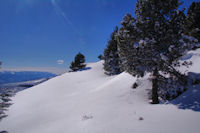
(13, 77)
(21, 80)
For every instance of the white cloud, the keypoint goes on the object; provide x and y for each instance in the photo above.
(60, 62)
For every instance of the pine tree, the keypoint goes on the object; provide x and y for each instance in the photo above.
(73, 67)
(78, 63)
(126, 37)
(101, 57)
(192, 24)
(111, 57)
(153, 42)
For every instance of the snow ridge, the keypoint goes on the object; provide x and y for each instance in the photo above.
(91, 102)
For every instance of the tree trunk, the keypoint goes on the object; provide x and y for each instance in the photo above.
(155, 87)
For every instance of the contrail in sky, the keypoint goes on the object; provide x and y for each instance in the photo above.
(67, 20)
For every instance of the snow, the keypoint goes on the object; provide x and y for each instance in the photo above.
(193, 56)
(163, 57)
(142, 42)
(187, 56)
(91, 102)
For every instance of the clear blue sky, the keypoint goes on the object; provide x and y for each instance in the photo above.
(37, 33)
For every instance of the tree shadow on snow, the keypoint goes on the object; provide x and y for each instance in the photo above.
(190, 99)
(84, 69)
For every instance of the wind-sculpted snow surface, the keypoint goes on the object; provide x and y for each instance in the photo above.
(91, 102)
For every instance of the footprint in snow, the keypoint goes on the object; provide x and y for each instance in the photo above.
(86, 117)
(141, 118)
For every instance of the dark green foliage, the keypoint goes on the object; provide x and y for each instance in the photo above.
(101, 57)
(5, 102)
(78, 63)
(153, 42)
(111, 56)
(192, 23)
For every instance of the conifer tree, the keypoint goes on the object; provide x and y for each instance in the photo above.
(111, 57)
(153, 42)
(192, 24)
(78, 63)
(101, 57)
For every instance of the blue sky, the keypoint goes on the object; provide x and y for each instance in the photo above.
(38, 33)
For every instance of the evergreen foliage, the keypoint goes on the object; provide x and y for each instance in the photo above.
(153, 42)
(5, 102)
(101, 57)
(111, 57)
(78, 63)
(192, 24)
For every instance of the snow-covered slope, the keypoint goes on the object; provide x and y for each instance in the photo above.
(91, 102)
